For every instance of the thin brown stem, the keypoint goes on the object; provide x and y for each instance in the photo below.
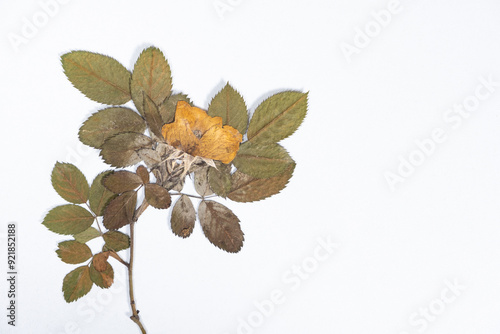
(135, 314)
(113, 254)
(194, 196)
(95, 216)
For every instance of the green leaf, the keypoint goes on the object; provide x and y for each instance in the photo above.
(221, 226)
(116, 240)
(151, 75)
(157, 196)
(230, 106)
(100, 78)
(68, 219)
(153, 117)
(262, 161)
(103, 279)
(99, 194)
(246, 188)
(220, 179)
(167, 108)
(109, 122)
(201, 184)
(183, 217)
(70, 183)
(277, 117)
(121, 150)
(73, 252)
(87, 235)
(120, 211)
(122, 181)
(76, 284)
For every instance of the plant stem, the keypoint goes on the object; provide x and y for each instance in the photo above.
(194, 196)
(117, 257)
(135, 314)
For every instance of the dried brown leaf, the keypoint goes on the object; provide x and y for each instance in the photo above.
(201, 184)
(157, 196)
(121, 150)
(143, 174)
(100, 261)
(183, 217)
(122, 181)
(103, 279)
(120, 211)
(221, 226)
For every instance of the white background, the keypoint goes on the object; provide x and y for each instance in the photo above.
(396, 249)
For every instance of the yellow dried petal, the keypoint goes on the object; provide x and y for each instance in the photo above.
(179, 135)
(196, 133)
(198, 119)
(220, 143)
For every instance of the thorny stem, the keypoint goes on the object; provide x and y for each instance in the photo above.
(135, 314)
